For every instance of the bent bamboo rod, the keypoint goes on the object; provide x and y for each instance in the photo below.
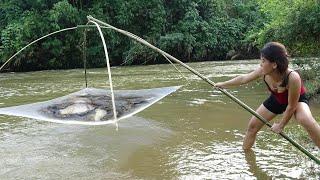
(62, 30)
(109, 72)
(45, 36)
(246, 107)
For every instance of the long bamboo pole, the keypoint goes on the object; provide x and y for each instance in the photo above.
(246, 107)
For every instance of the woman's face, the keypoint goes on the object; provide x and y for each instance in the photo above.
(267, 66)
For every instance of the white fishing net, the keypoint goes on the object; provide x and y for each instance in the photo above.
(90, 106)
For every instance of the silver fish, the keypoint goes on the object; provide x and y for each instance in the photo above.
(80, 108)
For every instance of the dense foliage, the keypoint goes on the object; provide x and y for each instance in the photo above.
(294, 23)
(191, 30)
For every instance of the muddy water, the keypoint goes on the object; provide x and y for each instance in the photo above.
(195, 133)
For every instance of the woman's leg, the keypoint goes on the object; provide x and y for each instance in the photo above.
(304, 117)
(255, 125)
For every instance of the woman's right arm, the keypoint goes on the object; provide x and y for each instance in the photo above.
(241, 79)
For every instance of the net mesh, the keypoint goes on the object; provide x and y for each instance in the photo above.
(90, 106)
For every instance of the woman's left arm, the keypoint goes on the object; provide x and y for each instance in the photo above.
(294, 86)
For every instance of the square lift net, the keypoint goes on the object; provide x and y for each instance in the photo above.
(90, 106)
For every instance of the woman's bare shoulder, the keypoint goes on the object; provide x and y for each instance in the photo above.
(294, 77)
(294, 80)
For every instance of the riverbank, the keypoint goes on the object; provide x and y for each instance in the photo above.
(313, 90)
(309, 69)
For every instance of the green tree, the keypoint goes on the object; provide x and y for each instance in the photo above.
(192, 30)
(294, 23)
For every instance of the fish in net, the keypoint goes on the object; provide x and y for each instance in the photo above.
(91, 106)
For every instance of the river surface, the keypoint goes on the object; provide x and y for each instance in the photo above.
(194, 133)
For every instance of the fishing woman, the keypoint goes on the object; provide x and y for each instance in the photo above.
(287, 94)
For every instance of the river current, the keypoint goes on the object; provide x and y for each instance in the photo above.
(194, 133)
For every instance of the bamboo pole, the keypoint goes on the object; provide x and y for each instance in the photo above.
(109, 72)
(43, 37)
(62, 30)
(246, 107)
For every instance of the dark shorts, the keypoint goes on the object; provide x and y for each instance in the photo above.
(274, 106)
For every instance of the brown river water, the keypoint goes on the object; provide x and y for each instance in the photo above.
(194, 133)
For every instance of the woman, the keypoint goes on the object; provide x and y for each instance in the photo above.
(287, 94)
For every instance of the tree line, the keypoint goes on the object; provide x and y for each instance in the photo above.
(191, 30)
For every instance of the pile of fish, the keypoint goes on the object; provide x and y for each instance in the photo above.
(93, 107)
(90, 106)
